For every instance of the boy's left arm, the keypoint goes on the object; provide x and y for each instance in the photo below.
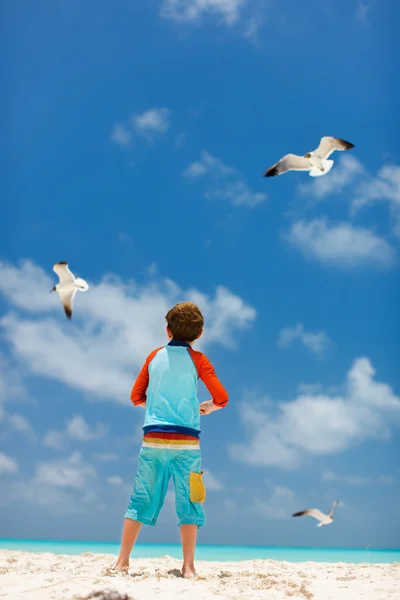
(138, 394)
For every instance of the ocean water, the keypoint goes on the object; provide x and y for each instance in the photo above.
(214, 553)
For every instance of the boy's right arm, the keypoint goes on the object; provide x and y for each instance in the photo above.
(218, 393)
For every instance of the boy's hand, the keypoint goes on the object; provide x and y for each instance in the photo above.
(208, 407)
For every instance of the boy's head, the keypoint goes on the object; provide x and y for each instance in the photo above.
(184, 322)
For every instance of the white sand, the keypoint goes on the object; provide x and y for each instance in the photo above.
(45, 576)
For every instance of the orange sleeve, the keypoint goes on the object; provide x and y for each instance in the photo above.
(206, 372)
(138, 394)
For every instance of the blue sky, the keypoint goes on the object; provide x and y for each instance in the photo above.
(134, 139)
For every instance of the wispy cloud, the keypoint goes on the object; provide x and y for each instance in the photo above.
(317, 424)
(76, 429)
(11, 386)
(121, 135)
(113, 330)
(7, 464)
(357, 480)
(21, 424)
(349, 168)
(152, 121)
(228, 11)
(72, 472)
(65, 486)
(105, 456)
(279, 504)
(317, 341)
(150, 125)
(223, 181)
(385, 187)
(115, 480)
(211, 482)
(340, 244)
(350, 179)
(362, 10)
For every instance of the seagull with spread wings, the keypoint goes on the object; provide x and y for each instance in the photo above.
(68, 286)
(317, 514)
(315, 162)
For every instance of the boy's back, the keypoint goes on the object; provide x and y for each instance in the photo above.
(168, 384)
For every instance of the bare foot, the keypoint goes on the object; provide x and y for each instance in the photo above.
(188, 571)
(116, 567)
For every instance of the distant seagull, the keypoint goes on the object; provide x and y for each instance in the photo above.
(315, 161)
(68, 286)
(317, 514)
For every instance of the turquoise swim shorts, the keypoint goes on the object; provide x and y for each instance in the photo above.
(155, 468)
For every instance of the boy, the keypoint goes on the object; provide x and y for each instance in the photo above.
(167, 389)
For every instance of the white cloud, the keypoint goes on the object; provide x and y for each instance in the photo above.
(362, 11)
(317, 341)
(279, 505)
(154, 120)
(76, 429)
(223, 181)
(348, 169)
(58, 501)
(115, 480)
(11, 386)
(54, 439)
(114, 327)
(239, 194)
(288, 433)
(7, 464)
(340, 244)
(21, 424)
(105, 456)
(149, 124)
(361, 187)
(252, 28)
(121, 135)
(357, 480)
(385, 187)
(72, 472)
(212, 484)
(194, 10)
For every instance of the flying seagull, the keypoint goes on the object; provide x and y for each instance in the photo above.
(317, 514)
(315, 162)
(68, 286)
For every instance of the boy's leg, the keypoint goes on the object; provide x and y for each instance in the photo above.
(147, 498)
(129, 536)
(190, 514)
(188, 539)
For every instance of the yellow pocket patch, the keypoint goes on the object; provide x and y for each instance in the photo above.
(197, 489)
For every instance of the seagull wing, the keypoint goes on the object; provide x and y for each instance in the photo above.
(312, 512)
(335, 502)
(67, 299)
(65, 275)
(290, 162)
(329, 144)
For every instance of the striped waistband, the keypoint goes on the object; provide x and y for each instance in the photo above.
(176, 441)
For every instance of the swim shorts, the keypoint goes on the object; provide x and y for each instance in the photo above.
(155, 468)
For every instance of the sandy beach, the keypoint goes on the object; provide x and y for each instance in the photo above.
(46, 576)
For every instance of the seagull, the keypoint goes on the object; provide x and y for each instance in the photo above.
(317, 514)
(315, 162)
(68, 286)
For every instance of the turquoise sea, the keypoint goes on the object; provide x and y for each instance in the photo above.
(215, 553)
